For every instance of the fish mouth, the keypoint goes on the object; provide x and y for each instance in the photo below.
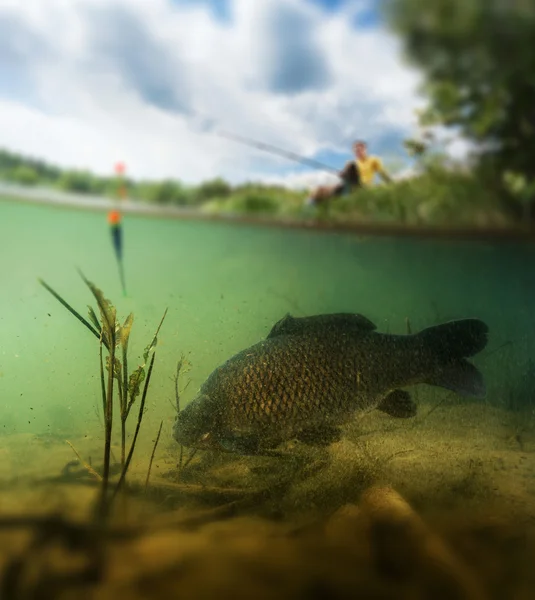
(194, 424)
(206, 442)
(209, 442)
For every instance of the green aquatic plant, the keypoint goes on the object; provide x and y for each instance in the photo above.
(177, 406)
(117, 385)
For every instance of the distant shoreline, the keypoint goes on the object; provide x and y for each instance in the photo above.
(53, 198)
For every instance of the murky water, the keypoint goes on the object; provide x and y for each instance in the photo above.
(224, 287)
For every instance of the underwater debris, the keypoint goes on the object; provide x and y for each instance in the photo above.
(312, 374)
(404, 548)
(377, 546)
(114, 338)
(86, 466)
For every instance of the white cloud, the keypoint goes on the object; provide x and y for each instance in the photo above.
(135, 80)
(299, 180)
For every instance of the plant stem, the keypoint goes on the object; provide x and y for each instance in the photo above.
(153, 453)
(122, 403)
(108, 422)
(123, 441)
(177, 406)
(87, 467)
(102, 384)
(138, 426)
(124, 406)
(190, 457)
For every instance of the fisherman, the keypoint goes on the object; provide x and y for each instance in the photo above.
(359, 172)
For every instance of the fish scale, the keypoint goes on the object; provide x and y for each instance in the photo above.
(291, 396)
(312, 374)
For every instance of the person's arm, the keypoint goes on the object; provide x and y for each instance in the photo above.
(382, 172)
(347, 173)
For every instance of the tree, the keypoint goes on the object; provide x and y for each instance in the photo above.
(478, 58)
(24, 175)
(214, 188)
(167, 192)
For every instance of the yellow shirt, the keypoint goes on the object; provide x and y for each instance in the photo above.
(368, 168)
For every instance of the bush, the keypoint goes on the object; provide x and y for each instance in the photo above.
(251, 202)
(257, 199)
(76, 181)
(167, 192)
(215, 188)
(24, 175)
(436, 197)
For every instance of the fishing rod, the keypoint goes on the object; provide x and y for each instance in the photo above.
(274, 150)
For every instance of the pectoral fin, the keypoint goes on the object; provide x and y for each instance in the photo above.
(398, 404)
(321, 435)
(246, 444)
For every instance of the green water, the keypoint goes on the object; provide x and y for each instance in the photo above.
(225, 285)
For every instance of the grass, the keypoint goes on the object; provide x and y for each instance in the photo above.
(436, 197)
(439, 196)
(258, 200)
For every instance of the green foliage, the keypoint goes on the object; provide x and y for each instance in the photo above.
(111, 336)
(166, 192)
(76, 181)
(24, 175)
(438, 196)
(251, 202)
(11, 166)
(214, 188)
(478, 59)
(256, 199)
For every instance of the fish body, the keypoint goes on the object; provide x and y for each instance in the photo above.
(313, 374)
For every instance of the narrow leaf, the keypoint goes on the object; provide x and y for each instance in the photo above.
(70, 308)
(94, 318)
(125, 330)
(108, 312)
(154, 342)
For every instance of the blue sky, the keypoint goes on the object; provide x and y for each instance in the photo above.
(223, 8)
(89, 82)
(368, 17)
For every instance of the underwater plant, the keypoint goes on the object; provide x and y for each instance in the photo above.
(118, 385)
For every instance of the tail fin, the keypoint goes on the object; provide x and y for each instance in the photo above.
(460, 377)
(450, 344)
(456, 339)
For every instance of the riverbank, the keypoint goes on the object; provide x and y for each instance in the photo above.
(364, 226)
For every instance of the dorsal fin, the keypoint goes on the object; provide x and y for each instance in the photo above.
(336, 322)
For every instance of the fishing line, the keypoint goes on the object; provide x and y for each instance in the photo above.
(278, 151)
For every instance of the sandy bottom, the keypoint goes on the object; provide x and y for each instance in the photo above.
(299, 526)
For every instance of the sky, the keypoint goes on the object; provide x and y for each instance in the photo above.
(87, 83)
